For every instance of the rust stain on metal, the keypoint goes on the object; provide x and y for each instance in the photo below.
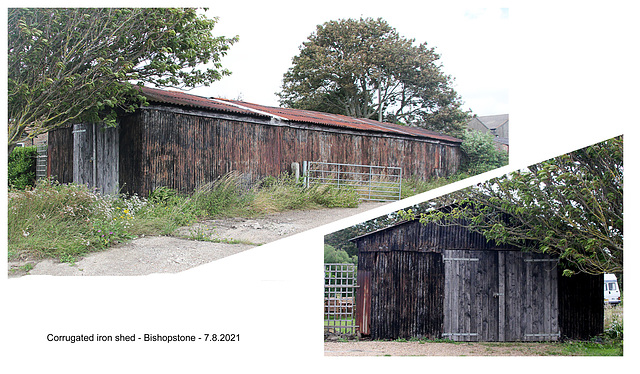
(297, 115)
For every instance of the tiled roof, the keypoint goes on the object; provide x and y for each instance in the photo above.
(287, 114)
(495, 121)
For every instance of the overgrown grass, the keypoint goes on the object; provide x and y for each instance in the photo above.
(284, 193)
(413, 186)
(68, 221)
(579, 348)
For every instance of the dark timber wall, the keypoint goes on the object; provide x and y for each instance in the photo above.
(85, 154)
(406, 297)
(60, 154)
(438, 281)
(581, 312)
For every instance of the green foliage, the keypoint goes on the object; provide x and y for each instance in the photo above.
(413, 186)
(615, 330)
(75, 64)
(580, 348)
(481, 153)
(58, 221)
(334, 197)
(163, 195)
(285, 193)
(224, 197)
(21, 170)
(68, 221)
(339, 240)
(338, 256)
(569, 206)
(364, 68)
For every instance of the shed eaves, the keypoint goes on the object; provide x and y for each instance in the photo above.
(288, 114)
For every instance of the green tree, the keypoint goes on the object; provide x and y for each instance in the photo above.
(364, 68)
(481, 154)
(338, 256)
(570, 206)
(71, 65)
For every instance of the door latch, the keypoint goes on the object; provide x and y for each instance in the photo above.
(496, 294)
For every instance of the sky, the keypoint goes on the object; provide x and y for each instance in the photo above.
(472, 43)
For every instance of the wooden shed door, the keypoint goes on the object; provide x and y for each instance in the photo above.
(499, 296)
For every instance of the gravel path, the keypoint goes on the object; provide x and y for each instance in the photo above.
(414, 348)
(175, 254)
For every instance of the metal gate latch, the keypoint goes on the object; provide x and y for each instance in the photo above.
(496, 294)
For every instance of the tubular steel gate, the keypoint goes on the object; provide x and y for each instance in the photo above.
(378, 183)
(340, 298)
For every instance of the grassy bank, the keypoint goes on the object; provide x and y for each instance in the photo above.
(68, 221)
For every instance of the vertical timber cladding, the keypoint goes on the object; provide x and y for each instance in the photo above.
(406, 301)
(60, 154)
(500, 296)
(95, 157)
(581, 314)
(488, 292)
(182, 149)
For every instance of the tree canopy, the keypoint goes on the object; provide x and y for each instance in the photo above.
(69, 65)
(364, 68)
(570, 206)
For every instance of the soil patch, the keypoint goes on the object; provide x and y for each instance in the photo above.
(416, 348)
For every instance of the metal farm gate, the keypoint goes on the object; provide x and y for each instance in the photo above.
(339, 298)
(377, 183)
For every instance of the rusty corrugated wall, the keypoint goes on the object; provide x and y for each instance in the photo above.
(179, 149)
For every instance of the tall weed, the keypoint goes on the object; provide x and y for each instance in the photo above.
(58, 220)
(224, 197)
(68, 221)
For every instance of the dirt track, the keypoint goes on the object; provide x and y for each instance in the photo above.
(414, 348)
(175, 254)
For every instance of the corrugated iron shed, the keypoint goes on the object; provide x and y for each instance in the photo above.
(288, 114)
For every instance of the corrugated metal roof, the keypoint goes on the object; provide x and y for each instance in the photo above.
(288, 114)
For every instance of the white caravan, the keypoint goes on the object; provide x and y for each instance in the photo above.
(611, 289)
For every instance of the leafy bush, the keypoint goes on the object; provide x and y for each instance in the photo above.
(481, 153)
(21, 170)
(162, 195)
(338, 256)
(615, 330)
